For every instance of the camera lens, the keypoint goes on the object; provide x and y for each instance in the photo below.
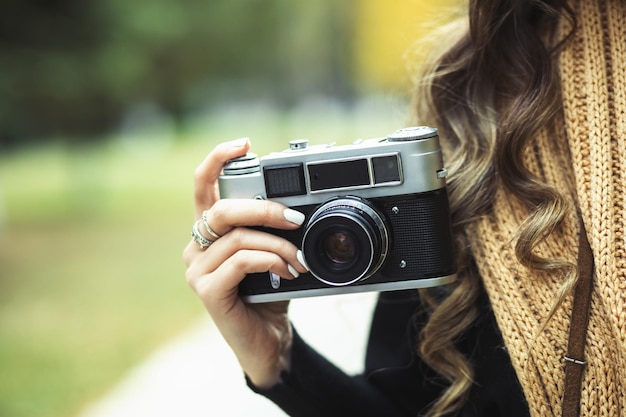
(340, 247)
(345, 241)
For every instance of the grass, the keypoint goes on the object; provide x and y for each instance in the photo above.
(91, 277)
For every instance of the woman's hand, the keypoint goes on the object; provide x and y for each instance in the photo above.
(259, 334)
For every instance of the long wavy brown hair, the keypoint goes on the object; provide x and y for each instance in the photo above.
(488, 93)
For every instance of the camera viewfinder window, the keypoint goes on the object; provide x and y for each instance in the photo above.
(343, 174)
(284, 180)
(386, 169)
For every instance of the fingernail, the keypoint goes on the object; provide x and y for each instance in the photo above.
(294, 216)
(293, 271)
(238, 143)
(300, 257)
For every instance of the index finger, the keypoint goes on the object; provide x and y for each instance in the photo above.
(227, 214)
(207, 173)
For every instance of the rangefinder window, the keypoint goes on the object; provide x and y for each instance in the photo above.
(339, 174)
(284, 180)
(386, 169)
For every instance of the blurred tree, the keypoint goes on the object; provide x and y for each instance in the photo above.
(162, 50)
(44, 50)
(315, 51)
(73, 69)
(391, 37)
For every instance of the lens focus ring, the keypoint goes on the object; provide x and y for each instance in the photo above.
(345, 241)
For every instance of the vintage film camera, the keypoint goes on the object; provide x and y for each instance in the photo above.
(377, 215)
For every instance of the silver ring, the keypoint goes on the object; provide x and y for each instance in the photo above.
(198, 238)
(210, 231)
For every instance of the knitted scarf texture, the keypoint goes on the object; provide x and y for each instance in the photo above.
(585, 161)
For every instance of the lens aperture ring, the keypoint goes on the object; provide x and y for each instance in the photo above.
(345, 241)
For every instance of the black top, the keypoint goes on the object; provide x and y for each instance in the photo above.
(396, 382)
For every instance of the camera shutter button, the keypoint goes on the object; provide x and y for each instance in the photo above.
(412, 133)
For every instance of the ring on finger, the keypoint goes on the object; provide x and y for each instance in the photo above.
(198, 238)
(208, 228)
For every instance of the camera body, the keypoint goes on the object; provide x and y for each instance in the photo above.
(377, 214)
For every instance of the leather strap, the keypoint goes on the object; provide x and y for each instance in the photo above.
(575, 359)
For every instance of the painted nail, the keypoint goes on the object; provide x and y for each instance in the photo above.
(300, 257)
(294, 216)
(293, 271)
(238, 143)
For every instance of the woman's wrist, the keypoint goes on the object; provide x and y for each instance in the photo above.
(268, 377)
(265, 373)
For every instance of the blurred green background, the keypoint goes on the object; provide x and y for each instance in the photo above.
(106, 107)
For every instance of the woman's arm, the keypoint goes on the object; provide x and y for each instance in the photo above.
(314, 387)
(259, 334)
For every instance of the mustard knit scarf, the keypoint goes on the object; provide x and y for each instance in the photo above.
(587, 163)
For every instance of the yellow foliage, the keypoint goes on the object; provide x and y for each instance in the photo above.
(386, 30)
